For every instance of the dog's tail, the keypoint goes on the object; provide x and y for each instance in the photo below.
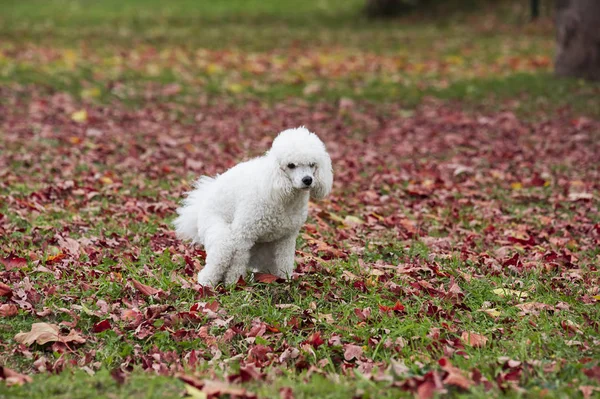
(186, 224)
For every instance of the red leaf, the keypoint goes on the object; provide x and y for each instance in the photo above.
(363, 314)
(248, 373)
(455, 376)
(286, 393)
(397, 308)
(360, 285)
(315, 340)
(145, 289)
(259, 352)
(13, 262)
(5, 290)
(265, 278)
(593, 372)
(12, 377)
(101, 326)
(119, 376)
(193, 358)
(214, 306)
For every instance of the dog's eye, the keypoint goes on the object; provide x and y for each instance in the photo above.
(312, 164)
(291, 165)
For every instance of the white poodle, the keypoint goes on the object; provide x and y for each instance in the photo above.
(249, 217)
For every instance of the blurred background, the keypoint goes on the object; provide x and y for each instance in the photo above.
(485, 53)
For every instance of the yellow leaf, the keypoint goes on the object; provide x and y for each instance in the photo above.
(596, 297)
(74, 140)
(70, 58)
(516, 186)
(80, 116)
(53, 257)
(153, 69)
(505, 292)
(455, 60)
(106, 180)
(235, 88)
(335, 217)
(92, 92)
(212, 69)
(195, 392)
(491, 312)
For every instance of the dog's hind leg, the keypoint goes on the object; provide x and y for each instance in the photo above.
(239, 262)
(219, 253)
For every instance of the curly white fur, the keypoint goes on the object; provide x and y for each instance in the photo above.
(249, 217)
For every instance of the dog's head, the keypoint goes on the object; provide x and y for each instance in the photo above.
(302, 163)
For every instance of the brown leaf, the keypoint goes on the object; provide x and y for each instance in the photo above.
(5, 290)
(43, 333)
(145, 289)
(363, 314)
(71, 245)
(12, 377)
(8, 310)
(588, 390)
(352, 352)
(533, 308)
(473, 339)
(455, 376)
(265, 278)
(215, 388)
(426, 390)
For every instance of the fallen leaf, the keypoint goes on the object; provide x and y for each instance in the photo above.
(8, 310)
(473, 339)
(265, 278)
(352, 352)
(194, 392)
(315, 340)
(13, 262)
(101, 326)
(145, 289)
(5, 290)
(490, 312)
(42, 333)
(455, 375)
(11, 377)
(397, 308)
(533, 308)
(588, 390)
(71, 245)
(505, 292)
(80, 116)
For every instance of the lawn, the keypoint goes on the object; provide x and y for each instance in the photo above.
(457, 255)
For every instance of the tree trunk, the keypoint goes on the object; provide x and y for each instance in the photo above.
(578, 38)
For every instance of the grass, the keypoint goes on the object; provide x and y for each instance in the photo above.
(162, 80)
(279, 50)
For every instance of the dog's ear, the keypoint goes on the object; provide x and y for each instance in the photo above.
(323, 177)
(281, 185)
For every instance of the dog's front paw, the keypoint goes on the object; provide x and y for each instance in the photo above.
(205, 279)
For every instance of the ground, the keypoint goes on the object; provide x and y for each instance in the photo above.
(457, 255)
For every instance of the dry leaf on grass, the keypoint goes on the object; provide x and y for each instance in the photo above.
(12, 377)
(473, 339)
(42, 333)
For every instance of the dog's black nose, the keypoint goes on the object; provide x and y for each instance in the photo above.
(307, 180)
